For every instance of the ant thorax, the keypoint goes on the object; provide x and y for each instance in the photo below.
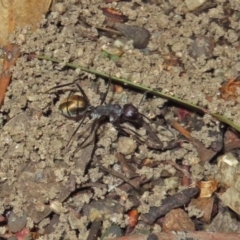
(113, 111)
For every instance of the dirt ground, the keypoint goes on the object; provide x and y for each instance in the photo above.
(48, 183)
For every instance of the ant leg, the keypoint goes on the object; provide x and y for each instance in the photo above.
(93, 130)
(154, 143)
(61, 86)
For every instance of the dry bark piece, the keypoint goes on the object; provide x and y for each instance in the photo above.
(205, 205)
(177, 200)
(177, 220)
(139, 35)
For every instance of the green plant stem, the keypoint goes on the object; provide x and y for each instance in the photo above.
(146, 89)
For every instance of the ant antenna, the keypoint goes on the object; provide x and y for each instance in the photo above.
(76, 130)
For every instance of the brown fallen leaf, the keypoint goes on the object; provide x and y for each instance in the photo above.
(207, 188)
(229, 90)
(15, 13)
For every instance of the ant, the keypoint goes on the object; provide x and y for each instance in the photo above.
(79, 107)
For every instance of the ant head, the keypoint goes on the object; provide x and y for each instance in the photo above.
(130, 112)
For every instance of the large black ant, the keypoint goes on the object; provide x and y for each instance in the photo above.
(79, 107)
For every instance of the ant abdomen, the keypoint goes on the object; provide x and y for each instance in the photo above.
(73, 106)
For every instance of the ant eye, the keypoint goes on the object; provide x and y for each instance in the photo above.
(130, 112)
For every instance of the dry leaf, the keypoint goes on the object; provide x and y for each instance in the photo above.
(207, 188)
(15, 13)
(229, 90)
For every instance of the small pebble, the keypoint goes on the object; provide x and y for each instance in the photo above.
(178, 220)
(201, 46)
(60, 8)
(56, 206)
(140, 36)
(194, 4)
(126, 145)
(16, 223)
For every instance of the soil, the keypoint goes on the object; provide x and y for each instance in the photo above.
(39, 168)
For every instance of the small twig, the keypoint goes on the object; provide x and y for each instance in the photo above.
(126, 167)
(177, 200)
(119, 175)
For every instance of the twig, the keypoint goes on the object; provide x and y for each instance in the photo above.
(119, 175)
(177, 200)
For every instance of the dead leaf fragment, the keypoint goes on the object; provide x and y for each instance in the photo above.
(14, 14)
(229, 90)
(207, 188)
